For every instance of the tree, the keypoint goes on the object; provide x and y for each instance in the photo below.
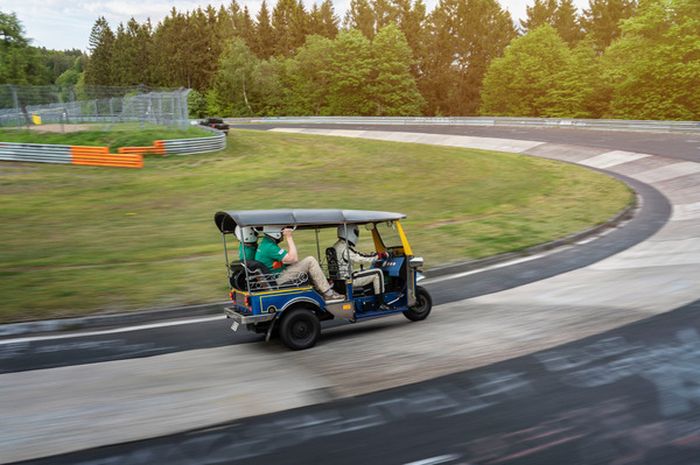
(350, 69)
(234, 84)
(19, 63)
(567, 23)
(307, 76)
(540, 13)
(327, 24)
(601, 21)
(660, 82)
(393, 88)
(360, 16)
(290, 25)
(264, 44)
(580, 89)
(99, 69)
(518, 83)
(464, 36)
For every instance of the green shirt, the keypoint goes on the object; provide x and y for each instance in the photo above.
(246, 252)
(270, 253)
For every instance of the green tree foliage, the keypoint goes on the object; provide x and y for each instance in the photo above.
(264, 45)
(560, 14)
(360, 16)
(601, 21)
(290, 24)
(307, 76)
(350, 67)
(518, 84)
(234, 90)
(393, 89)
(464, 36)
(99, 69)
(540, 13)
(654, 69)
(580, 89)
(19, 61)
(567, 22)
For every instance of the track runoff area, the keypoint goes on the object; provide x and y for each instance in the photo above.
(627, 392)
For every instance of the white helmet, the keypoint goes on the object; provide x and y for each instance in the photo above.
(246, 234)
(353, 233)
(273, 232)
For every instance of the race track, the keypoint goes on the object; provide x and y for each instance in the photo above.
(76, 393)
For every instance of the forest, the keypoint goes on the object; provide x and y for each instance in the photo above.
(615, 59)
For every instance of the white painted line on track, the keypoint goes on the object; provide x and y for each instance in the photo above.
(488, 268)
(125, 329)
(435, 460)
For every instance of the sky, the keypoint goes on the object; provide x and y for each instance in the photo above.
(66, 24)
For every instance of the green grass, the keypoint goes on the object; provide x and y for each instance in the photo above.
(118, 135)
(81, 240)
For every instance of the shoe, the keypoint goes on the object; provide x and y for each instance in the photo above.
(332, 295)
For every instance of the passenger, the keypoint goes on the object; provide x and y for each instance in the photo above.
(248, 238)
(347, 256)
(286, 266)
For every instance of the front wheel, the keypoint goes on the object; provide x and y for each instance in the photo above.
(422, 307)
(299, 329)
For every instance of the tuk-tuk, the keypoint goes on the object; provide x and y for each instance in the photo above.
(295, 309)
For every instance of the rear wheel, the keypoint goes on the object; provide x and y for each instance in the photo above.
(422, 307)
(299, 328)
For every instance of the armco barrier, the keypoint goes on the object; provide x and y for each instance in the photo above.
(609, 124)
(67, 154)
(197, 145)
(127, 157)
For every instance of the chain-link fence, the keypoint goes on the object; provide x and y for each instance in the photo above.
(30, 105)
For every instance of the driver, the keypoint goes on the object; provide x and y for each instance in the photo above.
(286, 266)
(248, 238)
(347, 256)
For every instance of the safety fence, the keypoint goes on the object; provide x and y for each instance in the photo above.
(609, 124)
(126, 157)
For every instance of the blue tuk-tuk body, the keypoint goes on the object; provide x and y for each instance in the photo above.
(296, 309)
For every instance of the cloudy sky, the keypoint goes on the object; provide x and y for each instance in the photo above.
(63, 24)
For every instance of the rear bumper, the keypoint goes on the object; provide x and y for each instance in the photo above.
(247, 319)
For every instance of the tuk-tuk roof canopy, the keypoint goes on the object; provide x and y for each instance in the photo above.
(309, 218)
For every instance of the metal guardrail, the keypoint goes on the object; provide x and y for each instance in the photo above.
(196, 145)
(42, 153)
(609, 124)
(100, 156)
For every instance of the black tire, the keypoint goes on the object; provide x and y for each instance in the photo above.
(299, 328)
(421, 310)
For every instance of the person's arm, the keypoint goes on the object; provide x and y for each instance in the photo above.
(291, 256)
(356, 257)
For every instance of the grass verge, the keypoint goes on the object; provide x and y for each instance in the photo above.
(82, 240)
(118, 135)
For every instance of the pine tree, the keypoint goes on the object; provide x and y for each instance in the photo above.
(328, 24)
(289, 22)
(540, 13)
(360, 16)
(264, 45)
(99, 68)
(393, 87)
(567, 23)
(19, 61)
(464, 36)
(601, 21)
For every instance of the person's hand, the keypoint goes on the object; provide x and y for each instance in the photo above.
(287, 232)
(382, 255)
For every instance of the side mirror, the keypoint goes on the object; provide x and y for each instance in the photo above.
(416, 262)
